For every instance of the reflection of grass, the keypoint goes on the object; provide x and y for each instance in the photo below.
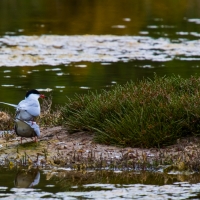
(147, 114)
(67, 179)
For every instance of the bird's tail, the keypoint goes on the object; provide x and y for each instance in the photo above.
(13, 105)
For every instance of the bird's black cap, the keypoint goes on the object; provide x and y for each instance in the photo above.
(32, 92)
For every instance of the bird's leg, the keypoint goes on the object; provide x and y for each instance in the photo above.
(22, 139)
(35, 139)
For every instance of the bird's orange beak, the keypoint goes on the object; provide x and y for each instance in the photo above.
(42, 96)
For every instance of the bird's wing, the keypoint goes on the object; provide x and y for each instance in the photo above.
(24, 129)
(30, 106)
(34, 126)
(36, 180)
(13, 105)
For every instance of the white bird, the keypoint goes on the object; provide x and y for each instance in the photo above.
(28, 108)
(27, 178)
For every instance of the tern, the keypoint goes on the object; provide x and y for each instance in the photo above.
(27, 178)
(28, 108)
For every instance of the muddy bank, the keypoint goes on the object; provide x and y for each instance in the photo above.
(57, 147)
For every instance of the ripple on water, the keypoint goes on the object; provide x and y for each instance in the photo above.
(59, 86)
(85, 88)
(44, 89)
(53, 69)
(135, 191)
(54, 50)
(177, 190)
(7, 85)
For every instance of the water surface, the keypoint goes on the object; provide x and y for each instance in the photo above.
(72, 46)
(64, 184)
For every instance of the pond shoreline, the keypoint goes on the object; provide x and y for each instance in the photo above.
(56, 147)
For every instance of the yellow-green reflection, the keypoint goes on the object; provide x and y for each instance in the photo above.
(95, 17)
(64, 180)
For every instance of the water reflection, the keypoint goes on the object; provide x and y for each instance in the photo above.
(77, 17)
(27, 178)
(95, 76)
(61, 184)
(161, 42)
(34, 51)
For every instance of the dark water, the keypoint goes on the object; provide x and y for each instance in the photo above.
(95, 76)
(18, 183)
(175, 21)
(78, 17)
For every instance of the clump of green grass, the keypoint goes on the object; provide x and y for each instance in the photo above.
(148, 113)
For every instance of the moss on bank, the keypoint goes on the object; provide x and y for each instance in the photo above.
(148, 113)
